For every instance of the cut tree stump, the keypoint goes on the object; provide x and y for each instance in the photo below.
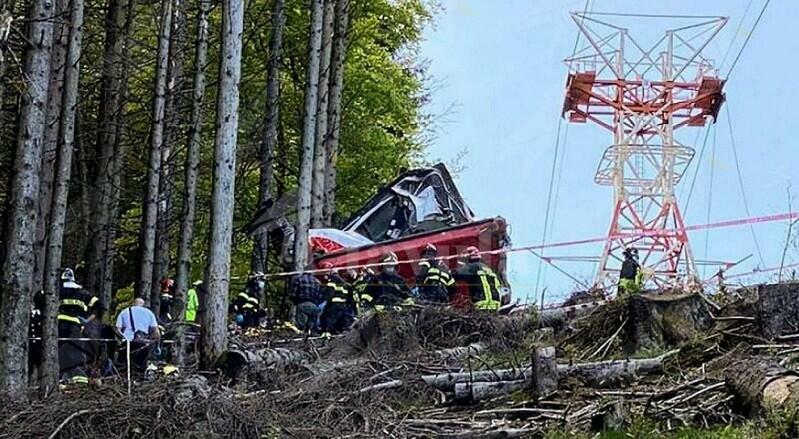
(777, 308)
(762, 385)
(664, 320)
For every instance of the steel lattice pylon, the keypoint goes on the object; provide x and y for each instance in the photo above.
(643, 94)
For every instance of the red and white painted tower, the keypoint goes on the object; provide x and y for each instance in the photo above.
(642, 94)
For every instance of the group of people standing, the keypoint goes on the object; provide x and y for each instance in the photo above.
(331, 304)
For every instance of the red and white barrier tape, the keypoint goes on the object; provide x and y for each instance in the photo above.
(642, 234)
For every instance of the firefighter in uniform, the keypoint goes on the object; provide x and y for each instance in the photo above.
(76, 308)
(482, 283)
(434, 280)
(363, 287)
(340, 309)
(247, 310)
(631, 275)
(390, 289)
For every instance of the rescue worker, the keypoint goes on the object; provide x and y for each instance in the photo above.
(434, 280)
(631, 275)
(363, 286)
(390, 289)
(246, 308)
(306, 295)
(481, 281)
(339, 312)
(75, 309)
(167, 300)
(192, 302)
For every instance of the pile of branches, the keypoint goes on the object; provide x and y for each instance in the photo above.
(436, 372)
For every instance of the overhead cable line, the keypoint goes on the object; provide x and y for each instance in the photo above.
(748, 37)
(552, 176)
(741, 183)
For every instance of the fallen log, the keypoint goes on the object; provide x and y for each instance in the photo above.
(762, 385)
(597, 374)
(461, 351)
(556, 317)
(232, 362)
(479, 391)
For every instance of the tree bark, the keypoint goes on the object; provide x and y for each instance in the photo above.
(334, 107)
(194, 146)
(150, 207)
(19, 261)
(100, 250)
(214, 329)
(192, 160)
(51, 137)
(763, 385)
(269, 141)
(598, 374)
(50, 367)
(308, 133)
(320, 158)
(172, 120)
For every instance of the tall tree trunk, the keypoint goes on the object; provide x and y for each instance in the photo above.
(214, 328)
(320, 158)
(174, 121)
(150, 208)
(50, 145)
(269, 141)
(60, 195)
(19, 259)
(334, 107)
(308, 138)
(100, 251)
(117, 170)
(192, 165)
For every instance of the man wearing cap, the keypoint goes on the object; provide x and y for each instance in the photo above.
(630, 276)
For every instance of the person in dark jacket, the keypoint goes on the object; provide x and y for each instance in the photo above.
(167, 300)
(630, 276)
(76, 308)
(482, 283)
(340, 305)
(307, 295)
(246, 306)
(434, 280)
(390, 288)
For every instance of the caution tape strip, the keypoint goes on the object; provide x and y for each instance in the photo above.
(642, 234)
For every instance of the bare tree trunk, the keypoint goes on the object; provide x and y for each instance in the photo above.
(60, 195)
(308, 138)
(104, 192)
(269, 142)
(19, 259)
(173, 119)
(192, 164)
(320, 158)
(150, 208)
(214, 329)
(50, 145)
(192, 160)
(117, 169)
(6, 21)
(334, 107)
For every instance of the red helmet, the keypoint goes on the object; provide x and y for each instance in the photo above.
(166, 284)
(325, 265)
(472, 253)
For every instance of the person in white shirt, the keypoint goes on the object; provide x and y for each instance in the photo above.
(138, 325)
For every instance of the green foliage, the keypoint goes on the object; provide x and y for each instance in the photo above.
(382, 97)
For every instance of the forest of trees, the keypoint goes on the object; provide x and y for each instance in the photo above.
(138, 137)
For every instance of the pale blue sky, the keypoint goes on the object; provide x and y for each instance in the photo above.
(500, 64)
